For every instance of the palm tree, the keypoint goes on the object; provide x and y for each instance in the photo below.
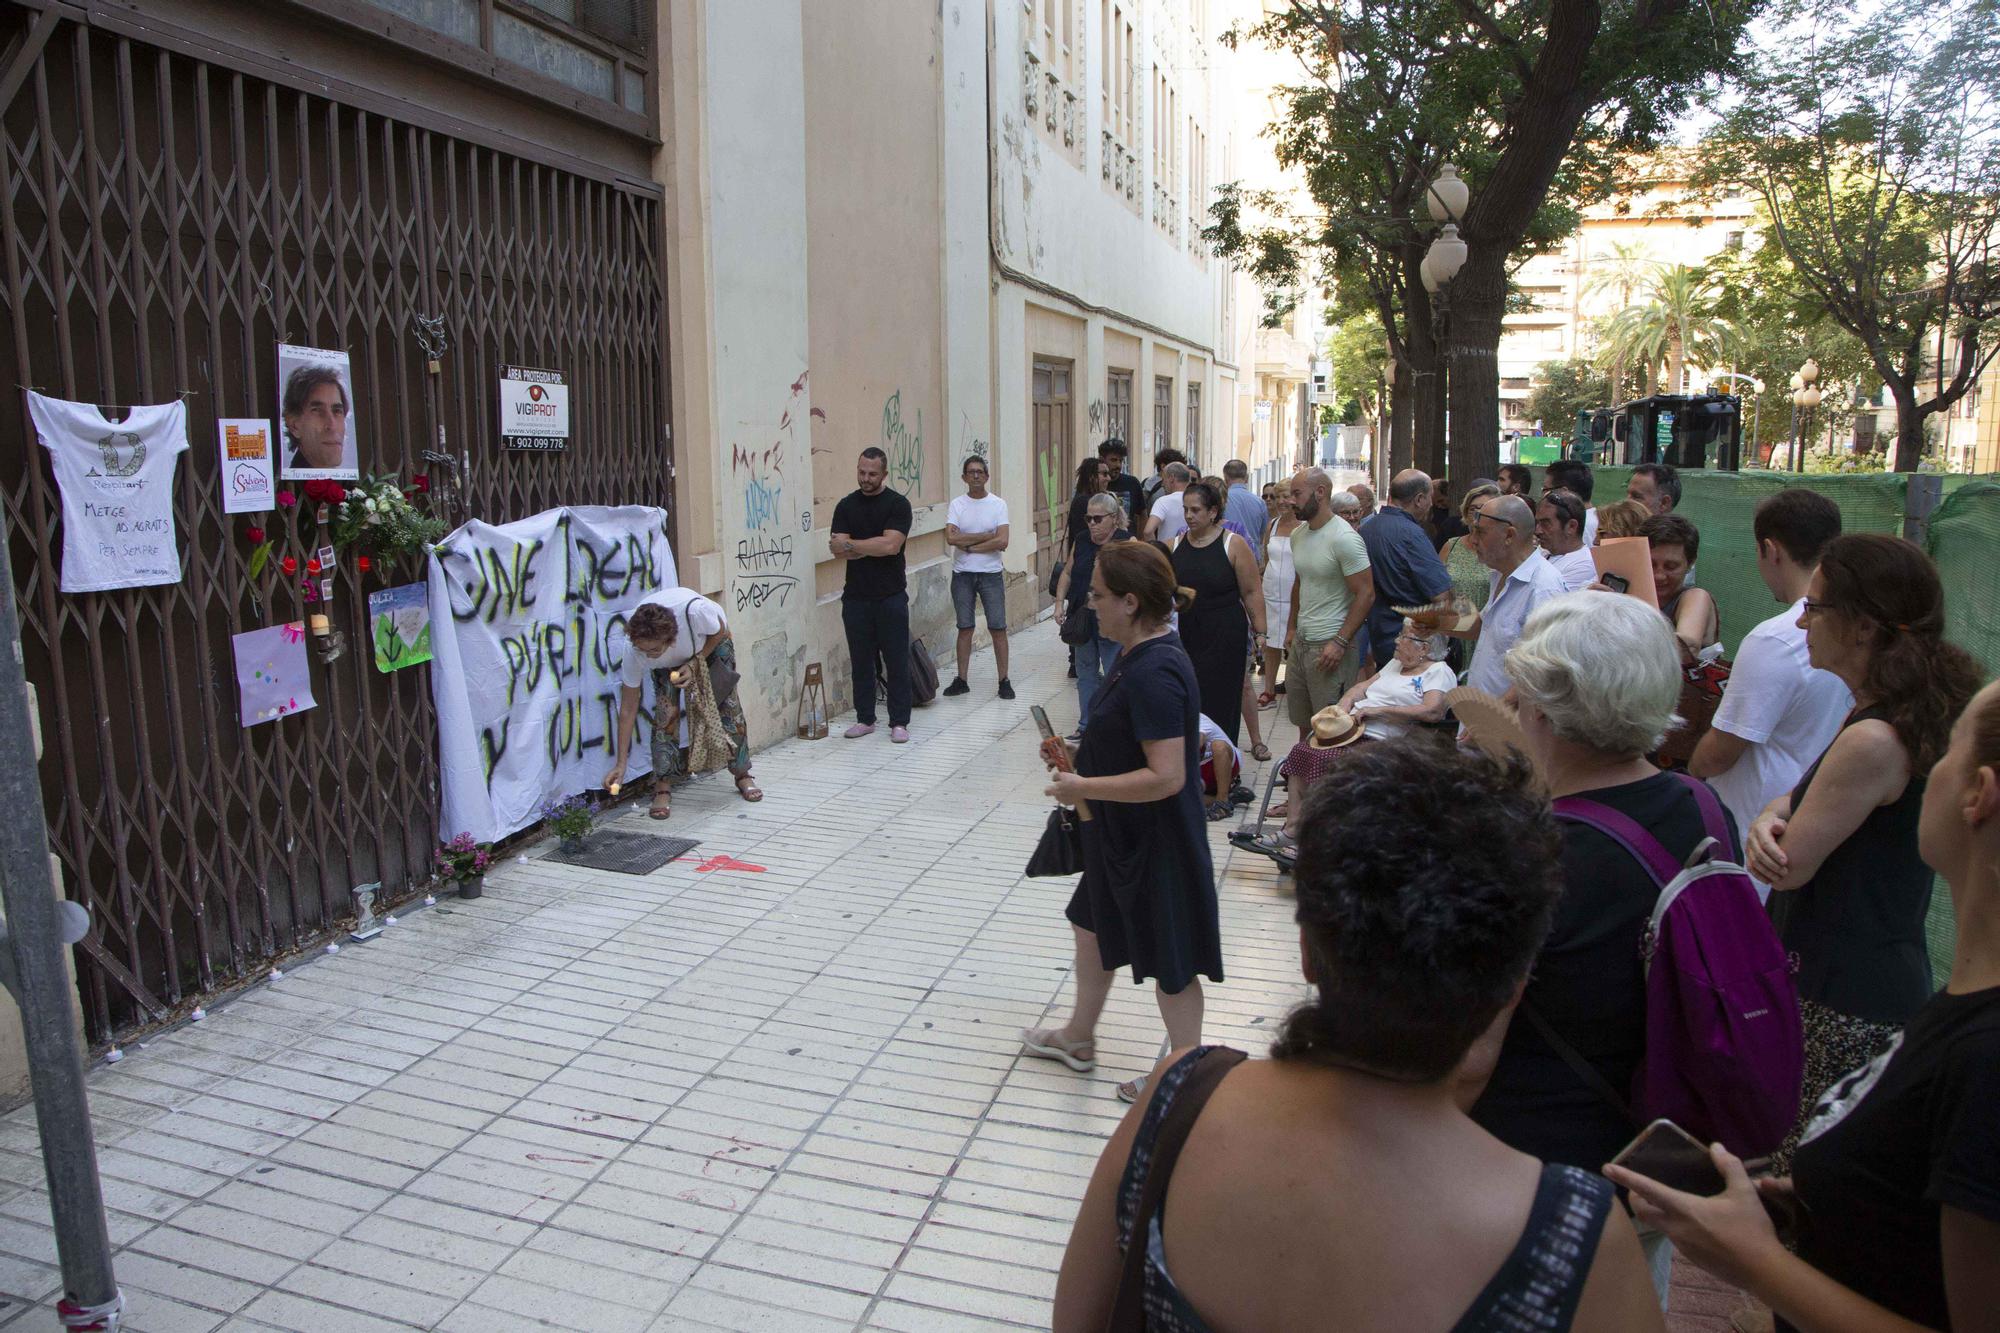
(1626, 267)
(1684, 304)
(1676, 324)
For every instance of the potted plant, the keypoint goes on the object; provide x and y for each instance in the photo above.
(465, 862)
(571, 819)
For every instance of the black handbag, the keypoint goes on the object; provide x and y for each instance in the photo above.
(1055, 576)
(1079, 627)
(1060, 852)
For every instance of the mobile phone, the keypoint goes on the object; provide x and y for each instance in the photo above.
(1665, 1152)
(1617, 583)
(1043, 725)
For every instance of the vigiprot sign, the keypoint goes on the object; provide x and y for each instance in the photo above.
(534, 409)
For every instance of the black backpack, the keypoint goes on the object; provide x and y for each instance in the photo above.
(923, 674)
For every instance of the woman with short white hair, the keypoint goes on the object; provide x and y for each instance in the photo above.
(1409, 689)
(1596, 679)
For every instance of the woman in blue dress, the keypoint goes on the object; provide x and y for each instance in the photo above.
(1147, 896)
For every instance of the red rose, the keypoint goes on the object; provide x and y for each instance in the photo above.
(286, 499)
(289, 564)
(255, 536)
(420, 483)
(335, 492)
(361, 563)
(312, 566)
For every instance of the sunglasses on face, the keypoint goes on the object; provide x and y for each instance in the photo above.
(1101, 518)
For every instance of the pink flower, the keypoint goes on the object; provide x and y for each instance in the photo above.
(286, 499)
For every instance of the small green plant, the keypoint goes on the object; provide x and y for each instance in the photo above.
(462, 858)
(571, 818)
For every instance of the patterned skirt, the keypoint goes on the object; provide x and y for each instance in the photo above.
(1837, 1044)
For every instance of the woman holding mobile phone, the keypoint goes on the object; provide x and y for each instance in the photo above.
(1147, 896)
(1339, 1185)
(1896, 1186)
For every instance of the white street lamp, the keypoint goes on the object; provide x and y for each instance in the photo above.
(1446, 255)
(1448, 195)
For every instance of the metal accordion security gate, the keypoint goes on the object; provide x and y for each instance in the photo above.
(165, 222)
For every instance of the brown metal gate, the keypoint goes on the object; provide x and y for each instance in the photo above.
(1050, 406)
(165, 222)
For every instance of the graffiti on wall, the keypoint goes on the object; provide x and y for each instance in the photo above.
(1096, 418)
(970, 445)
(762, 574)
(904, 444)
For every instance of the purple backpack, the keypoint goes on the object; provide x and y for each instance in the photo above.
(1725, 1053)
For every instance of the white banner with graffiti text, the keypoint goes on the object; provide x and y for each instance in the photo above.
(528, 633)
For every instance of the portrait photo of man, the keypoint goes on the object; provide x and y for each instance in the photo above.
(315, 410)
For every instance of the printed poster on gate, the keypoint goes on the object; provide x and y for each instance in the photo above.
(248, 465)
(527, 637)
(534, 409)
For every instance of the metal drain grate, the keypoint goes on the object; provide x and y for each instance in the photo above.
(626, 853)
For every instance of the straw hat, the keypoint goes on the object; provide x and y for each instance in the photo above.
(1333, 728)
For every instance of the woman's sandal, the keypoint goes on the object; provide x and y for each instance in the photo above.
(1266, 698)
(1132, 1089)
(752, 793)
(1048, 1043)
(1261, 752)
(663, 804)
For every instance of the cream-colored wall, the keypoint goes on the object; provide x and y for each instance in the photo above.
(872, 191)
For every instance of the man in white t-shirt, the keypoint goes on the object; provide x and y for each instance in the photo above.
(1168, 517)
(975, 527)
(662, 635)
(1559, 532)
(1778, 714)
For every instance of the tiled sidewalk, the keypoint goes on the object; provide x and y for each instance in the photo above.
(782, 1099)
(788, 1098)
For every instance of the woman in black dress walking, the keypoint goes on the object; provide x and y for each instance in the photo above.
(1147, 896)
(1228, 606)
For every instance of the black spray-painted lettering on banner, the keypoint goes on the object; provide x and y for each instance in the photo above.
(501, 583)
(581, 725)
(563, 650)
(492, 747)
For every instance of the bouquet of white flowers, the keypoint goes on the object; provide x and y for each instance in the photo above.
(379, 517)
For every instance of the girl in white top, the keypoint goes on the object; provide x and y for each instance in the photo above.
(1278, 572)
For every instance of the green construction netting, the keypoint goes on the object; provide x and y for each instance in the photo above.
(1964, 539)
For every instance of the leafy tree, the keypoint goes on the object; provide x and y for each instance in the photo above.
(1564, 388)
(1358, 356)
(1779, 324)
(1873, 140)
(1531, 100)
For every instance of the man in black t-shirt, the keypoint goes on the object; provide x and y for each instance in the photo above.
(1124, 485)
(870, 526)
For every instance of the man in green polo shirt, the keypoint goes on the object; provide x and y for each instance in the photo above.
(1332, 592)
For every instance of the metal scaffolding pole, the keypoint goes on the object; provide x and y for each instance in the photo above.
(36, 930)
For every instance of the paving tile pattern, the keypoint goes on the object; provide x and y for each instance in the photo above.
(788, 1098)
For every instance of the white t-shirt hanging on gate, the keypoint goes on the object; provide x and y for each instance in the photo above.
(117, 483)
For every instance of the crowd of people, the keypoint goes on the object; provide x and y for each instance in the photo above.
(1479, 964)
(1477, 948)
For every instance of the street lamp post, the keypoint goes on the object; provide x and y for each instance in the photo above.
(1447, 198)
(1805, 397)
(1756, 406)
